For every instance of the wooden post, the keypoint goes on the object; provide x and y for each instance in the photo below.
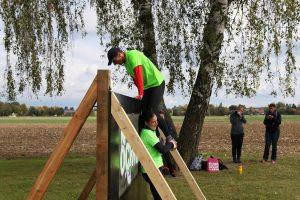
(140, 150)
(88, 187)
(102, 139)
(65, 143)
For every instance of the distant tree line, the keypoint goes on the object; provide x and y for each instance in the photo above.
(15, 108)
(220, 110)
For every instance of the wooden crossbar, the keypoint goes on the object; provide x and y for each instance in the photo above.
(88, 187)
(70, 133)
(140, 150)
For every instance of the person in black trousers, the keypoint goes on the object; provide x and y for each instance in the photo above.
(237, 120)
(149, 81)
(272, 121)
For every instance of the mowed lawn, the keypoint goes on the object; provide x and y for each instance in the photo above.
(258, 181)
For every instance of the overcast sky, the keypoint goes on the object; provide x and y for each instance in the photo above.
(86, 56)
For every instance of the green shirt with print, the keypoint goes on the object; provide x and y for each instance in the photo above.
(150, 139)
(151, 75)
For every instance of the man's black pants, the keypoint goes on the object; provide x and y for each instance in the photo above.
(152, 188)
(237, 142)
(271, 137)
(150, 102)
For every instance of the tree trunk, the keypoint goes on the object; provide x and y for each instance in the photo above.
(148, 34)
(148, 39)
(212, 41)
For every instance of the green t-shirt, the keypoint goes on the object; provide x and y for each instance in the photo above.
(151, 75)
(150, 139)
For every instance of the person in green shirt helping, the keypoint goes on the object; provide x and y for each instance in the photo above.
(155, 147)
(148, 79)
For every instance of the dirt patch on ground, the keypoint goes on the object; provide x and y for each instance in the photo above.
(40, 140)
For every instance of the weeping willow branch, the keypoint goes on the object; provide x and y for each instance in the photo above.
(37, 33)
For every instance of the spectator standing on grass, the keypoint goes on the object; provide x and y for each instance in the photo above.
(272, 121)
(237, 120)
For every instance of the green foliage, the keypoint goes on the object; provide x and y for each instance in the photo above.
(37, 33)
(213, 110)
(255, 31)
(14, 108)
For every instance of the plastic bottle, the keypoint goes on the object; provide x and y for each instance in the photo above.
(240, 169)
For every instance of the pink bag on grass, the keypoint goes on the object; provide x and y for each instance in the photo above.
(212, 165)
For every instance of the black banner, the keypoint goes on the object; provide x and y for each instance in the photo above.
(124, 165)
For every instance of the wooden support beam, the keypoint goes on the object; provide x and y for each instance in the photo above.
(102, 137)
(187, 175)
(186, 172)
(140, 150)
(64, 145)
(88, 187)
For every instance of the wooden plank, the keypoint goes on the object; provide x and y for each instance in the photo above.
(102, 137)
(69, 135)
(186, 172)
(187, 175)
(88, 187)
(140, 150)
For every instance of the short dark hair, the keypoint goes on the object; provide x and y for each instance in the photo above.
(272, 105)
(240, 107)
(112, 53)
(161, 112)
(147, 115)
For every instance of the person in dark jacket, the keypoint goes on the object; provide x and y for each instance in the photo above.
(237, 120)
(272, 121)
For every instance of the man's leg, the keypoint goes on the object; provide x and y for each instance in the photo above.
(239, 146)
(233, 146)
(150, 102)
(167, 158)
(267, 145)
(274, 138)
(152, 188)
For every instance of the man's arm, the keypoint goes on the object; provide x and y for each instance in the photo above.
(243, 119)
(138, 80)
(232, 118)
(278, 119)
(266, 120)
(163, 149)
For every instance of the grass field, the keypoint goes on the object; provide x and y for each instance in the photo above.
(258, 181)
(35, 136)
(177, 119)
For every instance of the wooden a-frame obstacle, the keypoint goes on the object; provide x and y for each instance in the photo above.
(107, 102)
